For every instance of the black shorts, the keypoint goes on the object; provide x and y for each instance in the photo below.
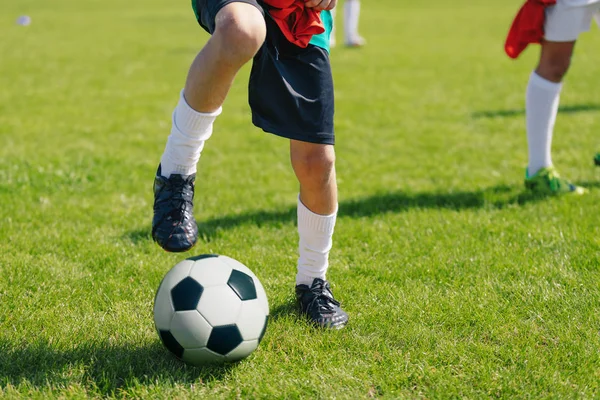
(291, 88)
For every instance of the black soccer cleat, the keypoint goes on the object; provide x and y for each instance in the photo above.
(318, 304)
(173, 226)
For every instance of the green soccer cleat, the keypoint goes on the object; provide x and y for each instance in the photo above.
(547, 181)
(597, 159)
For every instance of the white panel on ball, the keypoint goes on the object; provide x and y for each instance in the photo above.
(163, 309)
(177, 273)
(237, 265)
(243, 350)
(211, 272)
(201, 356)
(219, 305)
(190, 329)
(252, 319)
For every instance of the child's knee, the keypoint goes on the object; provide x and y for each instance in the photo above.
(555, 60)
(314, 165)
(242, 30)
(555, 69)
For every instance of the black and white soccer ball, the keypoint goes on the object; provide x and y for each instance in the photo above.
(211, 309)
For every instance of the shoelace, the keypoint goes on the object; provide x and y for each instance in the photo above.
(180, 201)
(321, 299)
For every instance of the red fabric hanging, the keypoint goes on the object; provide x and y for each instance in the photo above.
(527, 27)
(297, 22)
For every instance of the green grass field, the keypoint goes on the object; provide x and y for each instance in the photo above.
(458, 284)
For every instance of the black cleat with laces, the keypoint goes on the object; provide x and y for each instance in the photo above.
(318, 304)
(173, 226)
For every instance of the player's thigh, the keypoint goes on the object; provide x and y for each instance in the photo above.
(207, 10)
(565, 23)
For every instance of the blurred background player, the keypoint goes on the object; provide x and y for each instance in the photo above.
(290, 95)
(351, 17)
(563, 22)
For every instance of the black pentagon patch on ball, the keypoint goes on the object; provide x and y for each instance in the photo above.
(223, 339)
(186, 294)
(171, 343)
(264, 329)
(242, 285)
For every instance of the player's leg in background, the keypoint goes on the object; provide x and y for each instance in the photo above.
(238, 31)
(562, 27)
(332, 39)
(597, 18)
(351, 18)
(542, 100)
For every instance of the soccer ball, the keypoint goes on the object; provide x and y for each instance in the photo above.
(210, 309)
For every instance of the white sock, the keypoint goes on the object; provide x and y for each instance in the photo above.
(315, 233)
(542, 100)
(351, 16)
(189, 131)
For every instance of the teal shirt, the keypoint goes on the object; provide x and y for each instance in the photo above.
(322, 40)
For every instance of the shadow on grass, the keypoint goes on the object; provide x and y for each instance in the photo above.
(511, 113)
(99, 367)
(589, 185)
(496, 197)
(289, 308)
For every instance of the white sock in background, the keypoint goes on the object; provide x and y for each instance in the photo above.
(351, 17)
(542, 100)
(189, 131)
(316, 232)
(332, 41)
